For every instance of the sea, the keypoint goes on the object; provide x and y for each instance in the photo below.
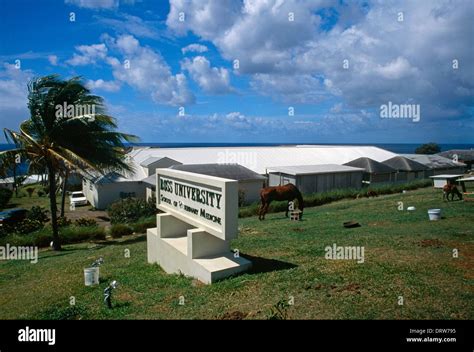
(399, 148)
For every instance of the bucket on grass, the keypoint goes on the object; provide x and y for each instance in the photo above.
(91, 276)
(434, 214)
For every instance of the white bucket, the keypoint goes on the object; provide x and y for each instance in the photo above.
(91, 276)
(434, 214)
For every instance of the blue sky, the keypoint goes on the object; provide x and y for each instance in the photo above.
(308, 71)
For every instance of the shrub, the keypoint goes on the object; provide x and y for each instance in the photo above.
(30, 191)
(40, 193)
(143, 224)
(85, 222)
(5, 196)
(315, 199)
(119, 230)
(130, 210)
(64, 221)
(75, 234)
(28, 225)
(38, 213)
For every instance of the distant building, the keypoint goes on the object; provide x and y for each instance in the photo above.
(375, 172)
(465, 156)
(250, 183)
(437, 164)
(316, 178)
(407, 169)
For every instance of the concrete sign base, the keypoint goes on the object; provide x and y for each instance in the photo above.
(179, 248)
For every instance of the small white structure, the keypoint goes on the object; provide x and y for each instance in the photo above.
(440, 180)
(193, 235)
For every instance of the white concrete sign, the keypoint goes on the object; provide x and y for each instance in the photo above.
(203, 201)
(200, 217)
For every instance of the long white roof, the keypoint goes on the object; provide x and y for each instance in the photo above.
(258, 159)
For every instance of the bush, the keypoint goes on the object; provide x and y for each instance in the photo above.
(64, 221)
(5, 196)
(30, 191)
(119, 230)
(28, 225)
(130, 210)
(143, 224)
(38, 213)
(75, 234)
(40, 193)
(85, 222)
(315, 199)
(43, 237)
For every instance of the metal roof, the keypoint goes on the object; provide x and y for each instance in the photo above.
(149, 161)
(371, 166)
(313, 169)
(230, 171)
(258, 159)
(401, 163)
(463, 154)
(434, 161)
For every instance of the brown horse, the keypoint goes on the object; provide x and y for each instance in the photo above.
(451, 189)
(287, 192)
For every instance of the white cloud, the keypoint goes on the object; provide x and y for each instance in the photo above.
(147, 71)
(53, 59)
(128, 24)
(13, 95)
(210, 79)
(100, 84)
(88, 54)
(194, 48)
(388, 60)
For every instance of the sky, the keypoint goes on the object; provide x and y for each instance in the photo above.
(253, 71)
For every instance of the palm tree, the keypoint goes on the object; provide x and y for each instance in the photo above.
(55, 139)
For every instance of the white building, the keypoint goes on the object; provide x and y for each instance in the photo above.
(104, 190)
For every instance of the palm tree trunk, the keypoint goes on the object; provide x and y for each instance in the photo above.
(63, 196)
(15, 185)
(53, 206)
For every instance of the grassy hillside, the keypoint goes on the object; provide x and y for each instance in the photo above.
(405, 255)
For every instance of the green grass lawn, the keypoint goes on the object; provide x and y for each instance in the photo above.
(405, 255)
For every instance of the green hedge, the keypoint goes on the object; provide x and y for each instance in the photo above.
(43, 237)
(120, 230)
(315, 199)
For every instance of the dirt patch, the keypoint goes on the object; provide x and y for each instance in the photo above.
(84, 212)
(235, 315)
(299, 229)
(431, 243)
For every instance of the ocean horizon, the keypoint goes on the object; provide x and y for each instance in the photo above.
(399, 148)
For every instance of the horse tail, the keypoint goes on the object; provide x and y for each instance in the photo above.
(300, 199)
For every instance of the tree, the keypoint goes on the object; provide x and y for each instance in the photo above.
(428, 148)
(54, 138)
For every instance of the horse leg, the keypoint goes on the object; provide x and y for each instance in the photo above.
(260, 210)
(265, 210)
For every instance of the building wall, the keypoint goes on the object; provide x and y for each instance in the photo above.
(101, 195)
(251, 190)
(276, 179)
(320, 182)
(381, 178)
